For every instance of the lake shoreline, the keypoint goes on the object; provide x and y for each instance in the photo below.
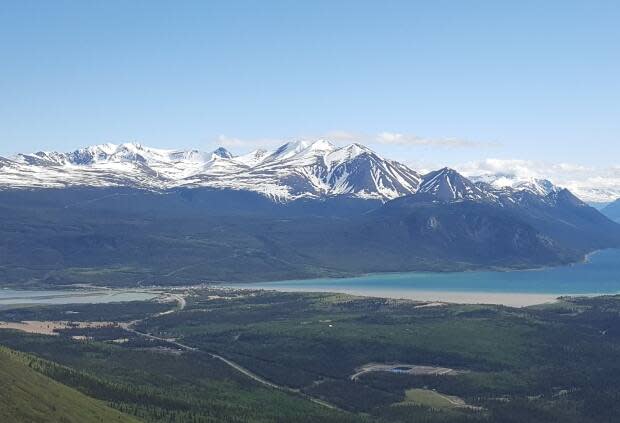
(598, 274)
(469, 268)
(509, 299)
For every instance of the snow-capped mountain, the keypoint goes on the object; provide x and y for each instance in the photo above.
(294, 170)
(596, 186)
(534, 185)
(439, 221)
(448, 185)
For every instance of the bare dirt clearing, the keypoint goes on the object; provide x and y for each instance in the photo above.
(51, 327)
(412, 369)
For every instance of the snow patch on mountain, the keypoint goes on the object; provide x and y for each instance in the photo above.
(294, 170)
(534, 185)
(298, 169)
(448, 185)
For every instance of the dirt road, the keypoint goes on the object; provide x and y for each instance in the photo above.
(181, 303)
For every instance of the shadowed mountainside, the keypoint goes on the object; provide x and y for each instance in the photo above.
(128, 236)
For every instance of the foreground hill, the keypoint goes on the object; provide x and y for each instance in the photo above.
(27, 396)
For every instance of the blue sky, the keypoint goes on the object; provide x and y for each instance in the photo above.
(457, 80)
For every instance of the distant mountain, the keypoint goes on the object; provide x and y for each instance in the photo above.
(527, 218)
(448, 185)
(501, 182)
(293, 171)
(595, 190)
(129, 214)
(612, 210)
(597, 194)
(129, 236)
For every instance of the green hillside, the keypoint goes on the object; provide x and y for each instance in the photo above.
(28, 396)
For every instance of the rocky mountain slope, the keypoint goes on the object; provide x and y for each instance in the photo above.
(128, 214)
(294, 170)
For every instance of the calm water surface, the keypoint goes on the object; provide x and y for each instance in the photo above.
(599, 275)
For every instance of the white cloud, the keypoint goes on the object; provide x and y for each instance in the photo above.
(590, 184)
(345, 137)
(396, 138)
(526, 169)
(225, 141)
(246, 144)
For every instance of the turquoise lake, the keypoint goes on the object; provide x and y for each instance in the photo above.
(600, 274)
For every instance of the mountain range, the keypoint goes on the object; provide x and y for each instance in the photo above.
(128, 214)
(293, 171)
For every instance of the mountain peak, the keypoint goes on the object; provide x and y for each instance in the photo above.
(502, 181)
(298, 169)
(449, 172)
(443, 174)
(107, 148)
(346, 153)
(321, 145)
(222, 153)
(289, 149)
(358, 148)
(133, 145)
(536, 186)
(447, 184)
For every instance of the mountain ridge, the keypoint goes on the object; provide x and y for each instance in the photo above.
(133, 215)
(295, 170)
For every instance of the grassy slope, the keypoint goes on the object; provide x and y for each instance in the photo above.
(428, 398)
(28, 396)
(165, 388)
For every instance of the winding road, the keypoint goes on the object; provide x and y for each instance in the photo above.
(181, 304)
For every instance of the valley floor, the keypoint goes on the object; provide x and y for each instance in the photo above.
(254, 356)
